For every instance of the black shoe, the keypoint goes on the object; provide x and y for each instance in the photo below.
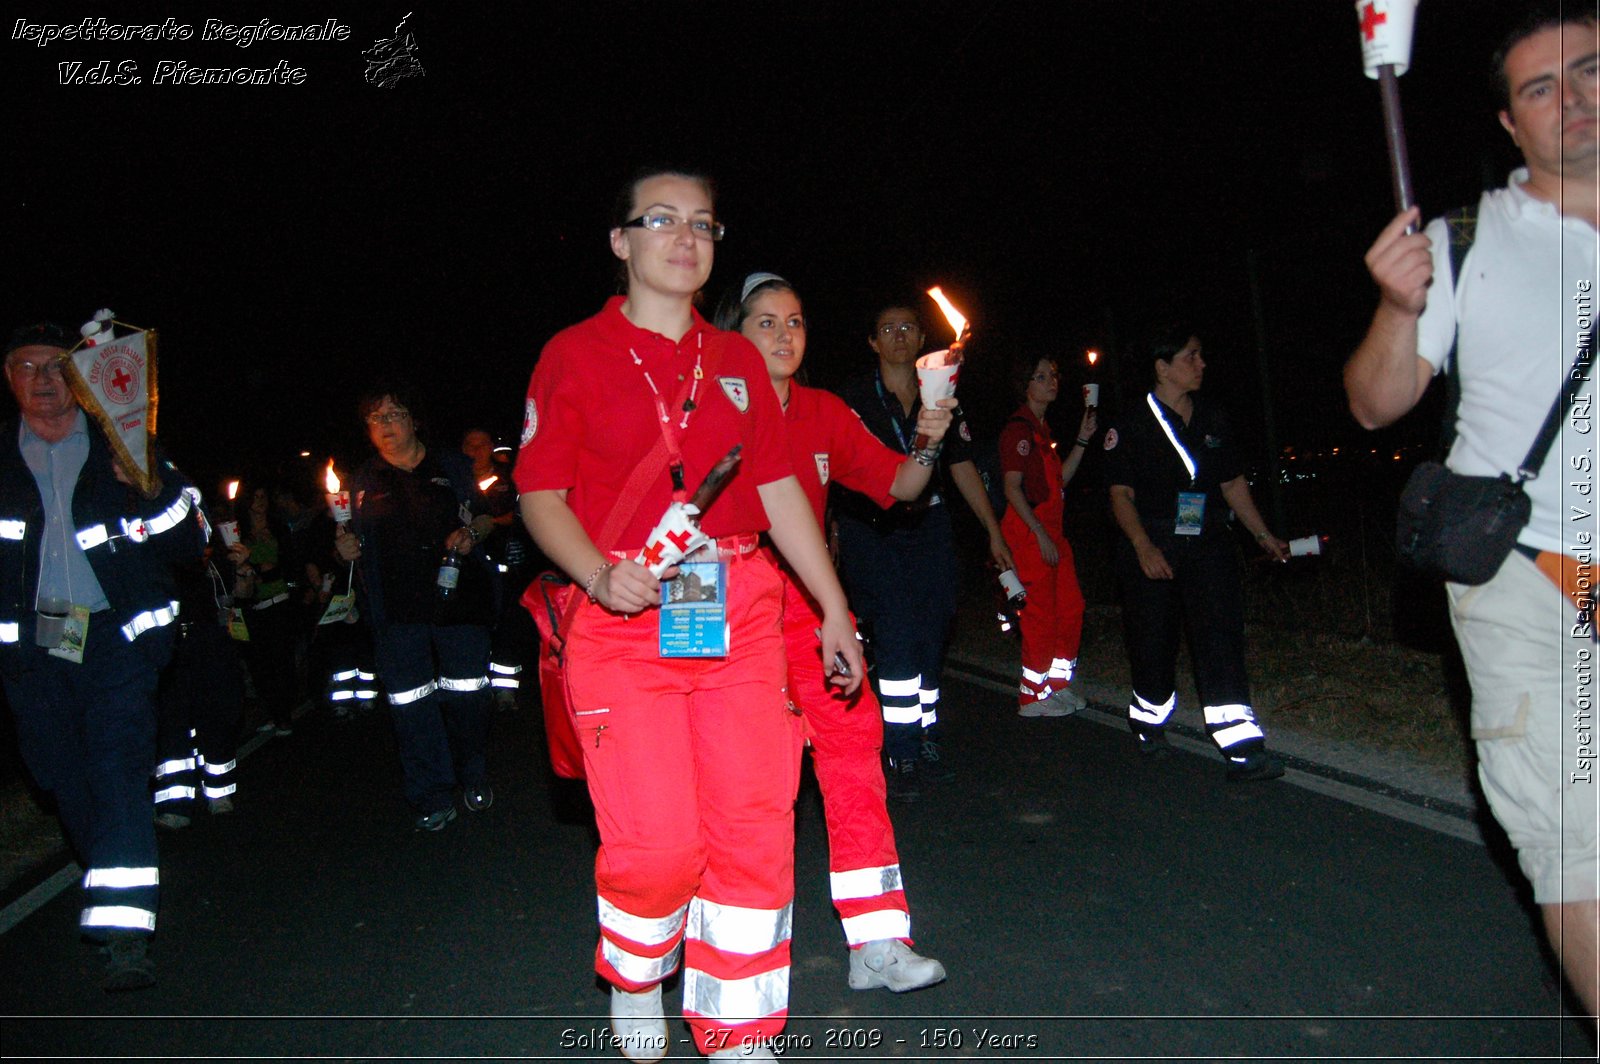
(1153, 745)
(1257, 766)
(903, 780)
(934, 767)
(127, 965)
(436, 821)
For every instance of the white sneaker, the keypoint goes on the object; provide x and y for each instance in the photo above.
(638, 1024)
(1069, 699)
(754, 1052)
(891, 963)
(1045, 707)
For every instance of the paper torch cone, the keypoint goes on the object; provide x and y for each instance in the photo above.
(1386, 34)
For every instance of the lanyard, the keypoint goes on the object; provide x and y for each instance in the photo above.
(1183, 453)
(664, 420)
(894, 413)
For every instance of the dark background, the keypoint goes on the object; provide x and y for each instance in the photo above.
(1070, 171)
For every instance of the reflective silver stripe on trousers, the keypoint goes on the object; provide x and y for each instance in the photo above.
(218, 792)
(1062, 669)
(348, 674)
(645, 930)
(150, 619)
(405, 698)
(218, 770)
(175, 766)
(120, 877)
(10, 632)
(737, 929)
(1151, 713)
(865, 882)
(637, 969)
(506, 670)
(475, 683)
(734, 1001)
(173, 794)
(13, 529)
(873, 926)
(125, 916)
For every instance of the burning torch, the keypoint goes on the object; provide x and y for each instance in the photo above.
(1386, 54)
(937, 371)
(678, 535)
(338, 501)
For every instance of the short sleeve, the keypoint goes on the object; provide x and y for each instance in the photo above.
(1436, 329)
(1016, 444)
(547, 458)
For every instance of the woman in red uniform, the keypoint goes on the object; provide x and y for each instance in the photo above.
(1035, 476)
(692, 762)
(827, 442)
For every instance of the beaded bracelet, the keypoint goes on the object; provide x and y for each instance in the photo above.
(1082, 442)
(588, 585)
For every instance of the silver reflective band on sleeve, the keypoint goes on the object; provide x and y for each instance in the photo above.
(505, 670)
(405, 698)
(141, 529)
(865, 882)
(341, 696)
(637, 969)
(348, 674)
(10, 632)
(733, 1001)
(120, 877)
(476, 683)
(645, 930)
(505, 683)
(737, 929)
(13, 529)
(150, 619)
(1151, 713)
(870, 927)
(365, 695)
(92, 536)
(125, 916)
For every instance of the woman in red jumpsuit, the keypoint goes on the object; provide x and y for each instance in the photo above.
(827, 443)
(1035, 476)
(692, 762)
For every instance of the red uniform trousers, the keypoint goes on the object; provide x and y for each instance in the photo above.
(1052, 620)
(693, 766)
(846, 736)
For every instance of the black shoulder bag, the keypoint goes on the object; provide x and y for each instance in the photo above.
(1460, 528)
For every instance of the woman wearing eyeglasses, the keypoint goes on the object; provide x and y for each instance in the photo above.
(899, 564)
(412, 504)
(1035, 478)
(692, 761)
(827, 444)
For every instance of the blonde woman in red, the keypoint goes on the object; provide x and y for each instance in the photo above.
(828, 443)
(1035, 475)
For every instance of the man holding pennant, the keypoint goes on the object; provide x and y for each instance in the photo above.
(87, 605)
(1514, 313)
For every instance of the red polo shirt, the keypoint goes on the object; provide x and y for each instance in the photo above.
(828, 443)
(591, 417)
(1027, 447)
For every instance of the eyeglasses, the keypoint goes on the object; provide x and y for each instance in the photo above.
(1046, 377)
(704, 228)
(904, 328)
(55, 367)
(388, 418)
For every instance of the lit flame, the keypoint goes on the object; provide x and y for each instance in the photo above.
(487, 482)
(331, 481)
(1094, 356)
(233, 490)
(951, 314)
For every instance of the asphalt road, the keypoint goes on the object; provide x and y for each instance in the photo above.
(1088, 906)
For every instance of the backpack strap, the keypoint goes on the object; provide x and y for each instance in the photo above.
(1462, 224)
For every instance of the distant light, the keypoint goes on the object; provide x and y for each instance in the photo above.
(305, 454)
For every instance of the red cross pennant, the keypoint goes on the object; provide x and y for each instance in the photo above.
(1371, 19)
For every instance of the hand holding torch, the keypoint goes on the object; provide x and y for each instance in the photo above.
(938, 370)
(677, 535)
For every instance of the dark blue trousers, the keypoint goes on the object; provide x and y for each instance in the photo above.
(437, 680)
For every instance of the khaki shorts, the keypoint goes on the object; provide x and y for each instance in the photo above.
(1533, 719)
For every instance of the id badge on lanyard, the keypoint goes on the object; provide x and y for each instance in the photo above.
(1191, 505)
(694, 610)
(74, 636)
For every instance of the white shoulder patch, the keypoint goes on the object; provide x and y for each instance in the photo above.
(530, 422)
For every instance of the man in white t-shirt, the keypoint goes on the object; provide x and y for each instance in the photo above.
(1515, 319)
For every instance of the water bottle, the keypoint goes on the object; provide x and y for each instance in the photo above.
(449, 573)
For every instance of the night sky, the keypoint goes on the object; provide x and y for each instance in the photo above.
(1070, 171)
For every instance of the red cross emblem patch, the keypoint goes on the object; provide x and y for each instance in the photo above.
(737, 391)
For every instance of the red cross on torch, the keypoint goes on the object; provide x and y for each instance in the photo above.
(1386, 54)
